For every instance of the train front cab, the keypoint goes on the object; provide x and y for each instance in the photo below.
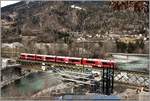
(23, 56)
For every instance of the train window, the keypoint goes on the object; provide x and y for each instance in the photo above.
(30, 56)
(105, 63)
(60, 59)
(39, 57)
(93, 62)
(22, 56)
(50, 58)
(73, 60)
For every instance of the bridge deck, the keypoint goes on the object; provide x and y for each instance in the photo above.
(126, 76)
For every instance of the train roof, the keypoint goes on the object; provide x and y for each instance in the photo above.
(47, 55)
(74, 58)
(27, 54)
(62, 56)
(90, 59)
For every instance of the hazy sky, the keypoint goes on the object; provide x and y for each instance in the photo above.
(8, 2)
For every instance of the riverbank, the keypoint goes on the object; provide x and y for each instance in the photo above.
(30, 84)
(54, 90)
(5, 83)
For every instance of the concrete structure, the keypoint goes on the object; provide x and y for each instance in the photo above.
(9, 71)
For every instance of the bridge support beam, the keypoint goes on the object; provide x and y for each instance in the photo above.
(107, 81)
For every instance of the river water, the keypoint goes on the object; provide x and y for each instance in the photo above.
(35, 82)
(30, 84)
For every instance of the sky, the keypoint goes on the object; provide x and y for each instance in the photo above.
(8, 2)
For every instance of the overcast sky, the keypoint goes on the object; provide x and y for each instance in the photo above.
(8, 2)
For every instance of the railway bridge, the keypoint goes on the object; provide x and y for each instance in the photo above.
(110, 76)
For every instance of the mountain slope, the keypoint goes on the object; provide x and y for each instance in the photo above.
(70, 21)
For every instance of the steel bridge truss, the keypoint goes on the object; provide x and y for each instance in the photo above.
(109, 76)
(132, 77)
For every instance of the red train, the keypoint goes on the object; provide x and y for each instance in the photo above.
(94, 63)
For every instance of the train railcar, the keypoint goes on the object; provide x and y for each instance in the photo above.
(39, 57)
(113, 64)
(23, 56)
(62, 59)
(74, 60)
(108, 63)
(91, 62)
(50, 58)
(30, 57)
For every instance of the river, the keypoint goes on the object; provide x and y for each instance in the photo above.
(31, 84)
